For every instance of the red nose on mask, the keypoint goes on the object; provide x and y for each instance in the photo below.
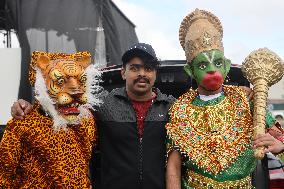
(212, 81)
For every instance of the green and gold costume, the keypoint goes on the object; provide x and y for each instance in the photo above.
(215, 138)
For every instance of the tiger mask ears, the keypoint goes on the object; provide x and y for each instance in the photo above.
(43, 61)
(84, 61)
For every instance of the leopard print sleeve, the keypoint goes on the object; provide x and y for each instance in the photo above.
(10, 154)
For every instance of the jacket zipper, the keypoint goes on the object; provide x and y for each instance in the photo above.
(141, 160)
(141, 148)
(140, 151)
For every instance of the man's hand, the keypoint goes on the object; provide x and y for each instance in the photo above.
(20, 108)
(248, 91)
(272, 144)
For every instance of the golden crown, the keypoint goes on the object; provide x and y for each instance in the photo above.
(200, 31)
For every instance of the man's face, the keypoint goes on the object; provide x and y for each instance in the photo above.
(210, 69)
(139, 77)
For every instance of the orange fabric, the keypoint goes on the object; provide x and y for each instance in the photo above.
(33, 155)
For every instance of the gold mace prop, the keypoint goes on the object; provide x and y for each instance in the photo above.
(263, 68)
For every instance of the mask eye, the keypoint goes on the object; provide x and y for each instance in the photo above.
(60, 81)
(202, 65)
(219, 63)
(83, 79)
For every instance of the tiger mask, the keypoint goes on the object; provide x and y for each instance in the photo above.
(61, 85)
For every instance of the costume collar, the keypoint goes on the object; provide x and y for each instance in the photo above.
(210, 97)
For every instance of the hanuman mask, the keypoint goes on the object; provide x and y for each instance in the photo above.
(200, 36)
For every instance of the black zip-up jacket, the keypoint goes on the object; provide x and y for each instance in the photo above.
(126, 161)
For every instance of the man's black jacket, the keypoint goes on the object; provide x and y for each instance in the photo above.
(127, 161)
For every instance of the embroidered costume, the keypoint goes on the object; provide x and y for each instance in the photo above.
(214, 136)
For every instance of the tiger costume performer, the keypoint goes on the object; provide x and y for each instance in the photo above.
(51, 147)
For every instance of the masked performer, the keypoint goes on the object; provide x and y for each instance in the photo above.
(51, 146)
(211, 126)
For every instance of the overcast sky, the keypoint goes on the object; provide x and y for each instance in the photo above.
(247, 24)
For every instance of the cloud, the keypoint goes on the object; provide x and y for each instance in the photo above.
(248, 25)
(153, 28)
(251, 16)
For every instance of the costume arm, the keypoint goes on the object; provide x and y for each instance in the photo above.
(93, 161)
(173, 174)
(277, 132)
(269, 119)
(273, 139)
(10, 153)
(273, 127)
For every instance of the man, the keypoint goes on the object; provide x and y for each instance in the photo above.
(131, 125)
(212, 126)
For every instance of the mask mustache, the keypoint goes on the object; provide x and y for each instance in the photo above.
(141, 78)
